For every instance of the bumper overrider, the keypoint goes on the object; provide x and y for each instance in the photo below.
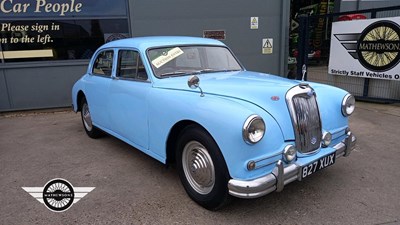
(281, 175)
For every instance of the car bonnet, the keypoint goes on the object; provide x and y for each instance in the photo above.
(264, 90)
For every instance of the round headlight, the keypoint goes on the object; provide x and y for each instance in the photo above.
(253, 129)
(348, 105)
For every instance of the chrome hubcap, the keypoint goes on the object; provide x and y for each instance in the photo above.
(198, 167)
(87, 119)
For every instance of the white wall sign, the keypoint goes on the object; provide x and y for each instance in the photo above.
(254, 23)
(366, 48)
(267, 45)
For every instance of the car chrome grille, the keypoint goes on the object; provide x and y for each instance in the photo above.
(305, 116)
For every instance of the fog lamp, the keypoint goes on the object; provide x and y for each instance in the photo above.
(326, 139)
(289, 153)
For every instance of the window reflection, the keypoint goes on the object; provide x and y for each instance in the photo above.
(61, 40)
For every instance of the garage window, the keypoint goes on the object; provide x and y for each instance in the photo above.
(59, 30)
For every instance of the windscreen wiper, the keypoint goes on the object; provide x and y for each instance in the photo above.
(216, 70)
(172, 74)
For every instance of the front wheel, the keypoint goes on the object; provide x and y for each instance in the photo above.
(90, 129)
(202, 168)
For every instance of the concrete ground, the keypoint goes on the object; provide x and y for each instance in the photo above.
(132, 188)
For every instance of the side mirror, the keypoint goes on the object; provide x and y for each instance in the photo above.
(193, 82)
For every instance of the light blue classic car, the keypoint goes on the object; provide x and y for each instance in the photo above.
(230, 132)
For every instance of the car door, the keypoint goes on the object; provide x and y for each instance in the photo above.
(128, 98)
(97, 87)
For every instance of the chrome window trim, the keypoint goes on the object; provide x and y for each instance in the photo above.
(188, 45)
(119, 50)
(92, 62)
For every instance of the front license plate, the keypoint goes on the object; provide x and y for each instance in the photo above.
(319, 164)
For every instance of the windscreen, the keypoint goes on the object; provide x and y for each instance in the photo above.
(186, 60)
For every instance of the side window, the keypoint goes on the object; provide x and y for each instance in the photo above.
(103, 63)
(130, 65)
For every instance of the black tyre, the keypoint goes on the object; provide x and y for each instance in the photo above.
(202, 168)
(90, 129)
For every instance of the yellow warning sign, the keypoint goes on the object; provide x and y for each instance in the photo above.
(267, 46)
(254, 23)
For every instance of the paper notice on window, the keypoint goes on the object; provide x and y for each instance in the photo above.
(166, 57)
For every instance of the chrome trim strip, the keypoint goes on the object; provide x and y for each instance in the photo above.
(263, 165)
(339, 131)
(259, 161)
(271, 156)
(281, 175)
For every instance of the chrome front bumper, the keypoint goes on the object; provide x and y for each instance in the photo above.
(281, 175)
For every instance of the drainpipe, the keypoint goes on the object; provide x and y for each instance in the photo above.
(284, 47)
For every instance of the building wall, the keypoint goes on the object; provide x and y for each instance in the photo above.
(44, 83)
(192, 17)
(68, 37)
(35, 87)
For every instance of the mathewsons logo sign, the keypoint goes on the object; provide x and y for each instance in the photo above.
(366, 48)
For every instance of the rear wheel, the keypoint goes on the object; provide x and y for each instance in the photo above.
(90, 129)
(202, 168)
